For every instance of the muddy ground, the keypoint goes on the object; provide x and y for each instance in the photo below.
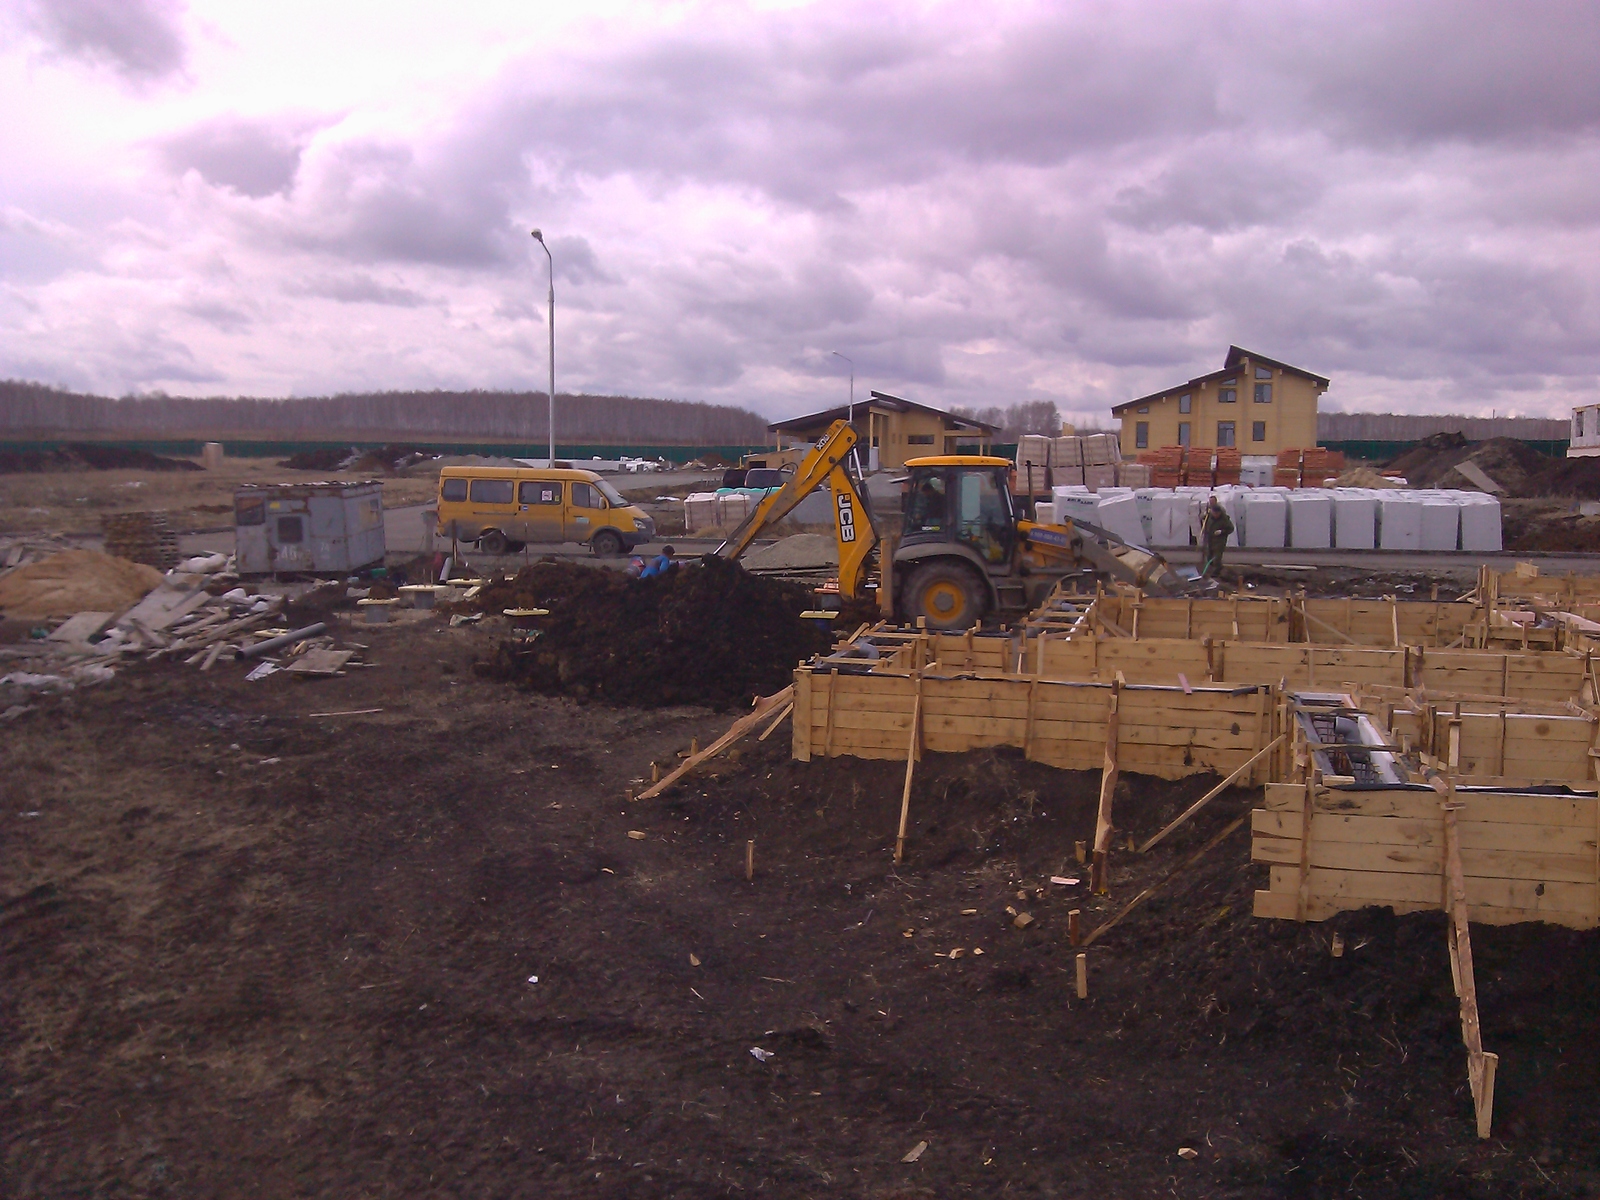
(250, 951)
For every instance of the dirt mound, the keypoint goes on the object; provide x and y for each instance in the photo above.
(705, 633)
(1509, 462)
(89, 456)
(352, 458)
(1575, 477)
(1366, 477)
(800, 550)
(75, 581)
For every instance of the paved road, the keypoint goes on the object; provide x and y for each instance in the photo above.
(403, 531)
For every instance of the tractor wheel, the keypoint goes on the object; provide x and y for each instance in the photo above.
(606, 544)
(948, 594)
(494, 542)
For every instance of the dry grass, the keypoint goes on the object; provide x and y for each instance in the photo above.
(74, 501)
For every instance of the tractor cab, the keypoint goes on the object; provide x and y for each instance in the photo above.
(965, 500)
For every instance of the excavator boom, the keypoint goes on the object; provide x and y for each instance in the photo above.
(827, 465)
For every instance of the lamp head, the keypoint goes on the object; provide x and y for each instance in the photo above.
(538, 235)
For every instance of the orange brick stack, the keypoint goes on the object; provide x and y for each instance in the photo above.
(1166, 466)
(1229, 462)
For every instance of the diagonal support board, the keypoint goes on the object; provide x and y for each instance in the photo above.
(764, 707)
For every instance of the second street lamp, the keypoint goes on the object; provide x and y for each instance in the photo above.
(538, 236)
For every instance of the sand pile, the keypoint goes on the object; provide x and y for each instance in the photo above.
(75, 581)
(706, 633)
(797, 552)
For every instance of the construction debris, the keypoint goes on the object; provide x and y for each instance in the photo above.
(142, 537)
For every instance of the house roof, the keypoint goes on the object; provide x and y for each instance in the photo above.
(1230, 366)
(882, 402)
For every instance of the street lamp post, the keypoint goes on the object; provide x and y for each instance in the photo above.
(538, 236)
(850, 413)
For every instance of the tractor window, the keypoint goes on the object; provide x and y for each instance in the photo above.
(925, 505)
(983, 519)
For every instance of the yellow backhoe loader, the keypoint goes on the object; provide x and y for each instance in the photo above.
(964, 552)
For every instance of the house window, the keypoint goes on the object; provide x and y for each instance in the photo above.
(1263, 372)
(1144, 408)
(1263, 393)
(1258, 431)
(1185, 403)
(1183, 432)
(1225, 433)
(1141, 435)
(919, 439)
(1229, 393)
(1577, 423)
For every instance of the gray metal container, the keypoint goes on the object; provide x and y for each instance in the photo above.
(314, 528)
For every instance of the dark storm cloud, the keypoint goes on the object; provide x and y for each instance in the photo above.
(358, 288)
(142, 39)
(254, 158)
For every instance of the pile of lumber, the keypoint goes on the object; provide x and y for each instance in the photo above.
(141, 537)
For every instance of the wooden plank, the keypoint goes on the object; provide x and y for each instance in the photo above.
(1383, 886)
(1424, 860)
(1514, 807)
(1281, 905)
(1108, 785)
(764, 708)
(1396, 831)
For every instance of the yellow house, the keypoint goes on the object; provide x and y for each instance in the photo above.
(892, 430)
(1256, 404)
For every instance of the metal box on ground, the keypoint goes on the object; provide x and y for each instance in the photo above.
(315, 528)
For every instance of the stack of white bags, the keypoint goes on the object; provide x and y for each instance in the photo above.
(1291, 518)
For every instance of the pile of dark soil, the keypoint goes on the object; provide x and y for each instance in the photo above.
(1578, 478)
(1513, 464)
(89, 456)
(705, 633)
(352, 458)
(1550, 529)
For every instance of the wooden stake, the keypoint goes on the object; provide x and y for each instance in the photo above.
(1082, 963)
(1480, 1066)
(1081, 851)
(655, 772)
(1074, 932)
(1108, 787)
(911, 763)
(750, 860)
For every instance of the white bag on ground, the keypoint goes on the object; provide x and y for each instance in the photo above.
(1355, 519)
(1480, 522)
(1441, 520)
(1118, 514)
(1266, 518)
(1399, 521)
(1311, 519)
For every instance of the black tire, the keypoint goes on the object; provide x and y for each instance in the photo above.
(606, 544)
(494, 542)
(947, 593)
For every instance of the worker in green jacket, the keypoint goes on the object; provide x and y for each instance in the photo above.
(1215, 527)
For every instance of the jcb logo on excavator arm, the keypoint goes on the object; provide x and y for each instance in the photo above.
(847, 519)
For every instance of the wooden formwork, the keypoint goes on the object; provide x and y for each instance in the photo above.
(1165, 731)
(1388, 622)
(1525, 857)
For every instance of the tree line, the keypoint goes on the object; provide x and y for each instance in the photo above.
(591, 420)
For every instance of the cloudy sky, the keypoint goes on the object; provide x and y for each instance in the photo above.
(977, 203)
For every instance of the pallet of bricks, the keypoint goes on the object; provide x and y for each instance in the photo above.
(1191, 466)
(141, 537)
(1307, 468)
(1073, 460)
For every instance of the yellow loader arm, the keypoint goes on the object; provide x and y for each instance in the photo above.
(1065, 545)
(852, 522)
